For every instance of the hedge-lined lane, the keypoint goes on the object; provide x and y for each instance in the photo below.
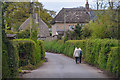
(97, 52)
(60, 66)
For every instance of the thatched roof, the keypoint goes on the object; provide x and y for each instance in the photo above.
(43, 28)
(73, 15)
(25, 24)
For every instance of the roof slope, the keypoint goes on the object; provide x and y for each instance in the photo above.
(44, 30)
(73, 15)
(25, 24)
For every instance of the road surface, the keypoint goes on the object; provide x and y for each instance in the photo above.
(60, 66)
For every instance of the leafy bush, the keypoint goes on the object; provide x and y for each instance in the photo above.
(104, 26)
(9, 60)
(23, 34)
(41, 44)
(26, 51)
(106, 46)
(11, 32)
(113, 63)
(71, 44)
(29, 51)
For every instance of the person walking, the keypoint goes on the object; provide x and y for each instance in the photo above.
(80, 57)
(76, 55)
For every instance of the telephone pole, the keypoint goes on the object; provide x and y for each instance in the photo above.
(39, 16)
(64, 22)
(30, 21)
(97, 5)
(33, 16)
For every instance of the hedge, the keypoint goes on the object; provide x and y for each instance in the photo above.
(97, 52)
(18, 53)
(29, 51)
(113, 63)
(58, 46)
(41, 44)
(9, 60)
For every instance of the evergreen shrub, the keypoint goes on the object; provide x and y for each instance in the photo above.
(29, 51)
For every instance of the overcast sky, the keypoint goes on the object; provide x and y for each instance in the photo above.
(57, 5)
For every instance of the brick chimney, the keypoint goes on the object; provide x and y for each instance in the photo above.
(87, 5)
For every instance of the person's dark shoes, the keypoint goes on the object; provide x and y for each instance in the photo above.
(77, 63)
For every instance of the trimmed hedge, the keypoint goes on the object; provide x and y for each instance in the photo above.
(58, 46)
(29, 51)
(95, 52)
(41, 44)
(113, 63)
(9, 60)
(20, 53)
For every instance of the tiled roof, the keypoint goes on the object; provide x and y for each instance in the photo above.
(72, 15)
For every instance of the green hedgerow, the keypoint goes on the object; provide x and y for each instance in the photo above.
(97, 52)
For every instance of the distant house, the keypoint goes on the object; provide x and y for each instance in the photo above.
(67, 18)
(43, 28)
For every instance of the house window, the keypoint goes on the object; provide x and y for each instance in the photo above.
(81, 24)
(71, 27)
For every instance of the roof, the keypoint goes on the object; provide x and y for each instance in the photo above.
(44, 30)
(25, 24)
(73, 15)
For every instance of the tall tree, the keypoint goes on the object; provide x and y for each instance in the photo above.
(16, 13)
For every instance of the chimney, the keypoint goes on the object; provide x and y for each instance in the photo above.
(36, 18)
(87, 5)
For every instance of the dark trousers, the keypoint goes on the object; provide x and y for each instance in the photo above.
(80, 58)
(76, 59)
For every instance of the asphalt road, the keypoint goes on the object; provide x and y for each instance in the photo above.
(60, 66)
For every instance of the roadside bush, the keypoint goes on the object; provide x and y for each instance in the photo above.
(9, 60)
(26, 51)
(71, 44)
(11, 32)
(41, 44)
(49, 45)
(113, 63)
(29, 51)
(96, 47)
(23, 34)
(106, 46)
